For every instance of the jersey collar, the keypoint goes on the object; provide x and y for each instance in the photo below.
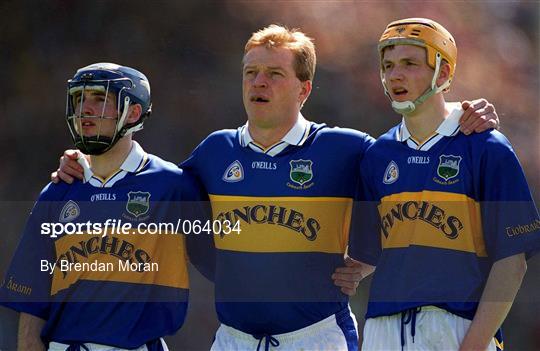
(135, 159)
(134, 162)
(296, 136)
(449, 127)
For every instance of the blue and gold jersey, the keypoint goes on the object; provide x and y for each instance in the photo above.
(292, 204)
(443, 212)
(115, 288)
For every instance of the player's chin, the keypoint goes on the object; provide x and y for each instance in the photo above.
(260, 107)
(94, 134)
(401, 97)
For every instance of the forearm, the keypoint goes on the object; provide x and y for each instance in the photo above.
(501, 288)
(29, 330)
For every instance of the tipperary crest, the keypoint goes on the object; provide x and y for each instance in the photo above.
(448, 166)
(138, 202)
(301, 171)
(69, 212)
(391, 174)
(234, 173)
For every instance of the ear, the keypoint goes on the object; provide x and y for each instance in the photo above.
(305, 91)
(134, 113)
(444, 73)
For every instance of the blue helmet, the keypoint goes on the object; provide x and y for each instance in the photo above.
(128, 85)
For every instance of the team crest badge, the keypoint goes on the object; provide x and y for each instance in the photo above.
(234, 173)
(448, 166)
(69, 212)
(138, 203)
(301, 171)
(391, 174)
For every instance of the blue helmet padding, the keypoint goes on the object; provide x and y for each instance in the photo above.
(118, 77)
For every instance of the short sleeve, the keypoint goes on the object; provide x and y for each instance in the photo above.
(364, 236)
(27, 283)
(191, 164)
(510, 218)
(195, 206)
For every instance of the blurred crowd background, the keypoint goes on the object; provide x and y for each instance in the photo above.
(191, 52)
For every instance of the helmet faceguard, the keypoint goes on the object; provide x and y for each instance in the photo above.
(439, 45)
(127, 85)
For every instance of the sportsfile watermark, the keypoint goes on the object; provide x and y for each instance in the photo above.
(120, 227)
(298, 242)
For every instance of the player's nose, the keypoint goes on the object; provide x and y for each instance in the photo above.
(88, 108)
(394, 74)
(260, 80)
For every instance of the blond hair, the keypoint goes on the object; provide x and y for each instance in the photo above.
(302, 47)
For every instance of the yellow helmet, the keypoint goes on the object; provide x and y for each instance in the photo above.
(438, 42)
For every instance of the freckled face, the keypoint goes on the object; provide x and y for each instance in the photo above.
(272, 93)
(406, 72)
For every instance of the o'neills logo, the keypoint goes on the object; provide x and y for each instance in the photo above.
(286, 217)
(433, 215)
(121, 249)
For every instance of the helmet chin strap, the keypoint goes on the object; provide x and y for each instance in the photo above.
(122, 119)
(406, 107)
(120, 129)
